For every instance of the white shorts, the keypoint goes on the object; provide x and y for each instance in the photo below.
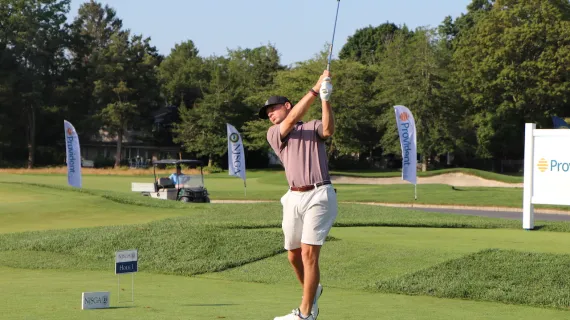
(308, 216)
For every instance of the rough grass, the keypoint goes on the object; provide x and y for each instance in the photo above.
(172, 246)
(536, 279)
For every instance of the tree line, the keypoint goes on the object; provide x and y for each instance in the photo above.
(471, 82)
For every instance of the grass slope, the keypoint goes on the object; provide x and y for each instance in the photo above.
(527, 278)
(362, 256)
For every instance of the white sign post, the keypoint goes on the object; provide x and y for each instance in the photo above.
(126, 261)
(546, 170)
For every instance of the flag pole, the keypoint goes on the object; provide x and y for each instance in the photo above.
(244, 189)
(415, 191)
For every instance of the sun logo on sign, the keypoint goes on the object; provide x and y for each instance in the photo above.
(234, 137)
(404, 116)
(69, 131)
(542, 165)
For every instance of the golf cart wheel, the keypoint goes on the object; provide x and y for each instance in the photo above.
(185, 199)
(206, 199)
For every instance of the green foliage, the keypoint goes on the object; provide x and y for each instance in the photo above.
(255, 134)
(508, 66)
(128, 87)
(366, 45)
(213, 169)
(471, 83)
(414, 73)
(182, 75)
(32, 42)
(231, 92)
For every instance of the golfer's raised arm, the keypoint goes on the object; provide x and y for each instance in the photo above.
(301, 108)
(328, 120)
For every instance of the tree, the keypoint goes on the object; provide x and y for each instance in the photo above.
(231, 92)
(366, 45)
(129, 87)
(182, 75)
(257, 66)
(33, 39)
(512, 67)
(91, 34)
(452, 31)
(414, 73)
(202, 127)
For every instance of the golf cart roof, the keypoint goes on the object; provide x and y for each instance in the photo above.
(174, 161)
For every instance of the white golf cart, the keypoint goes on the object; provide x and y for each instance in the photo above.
(190, 187)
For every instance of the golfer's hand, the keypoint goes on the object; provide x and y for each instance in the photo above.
(326, 87)
(326, 74)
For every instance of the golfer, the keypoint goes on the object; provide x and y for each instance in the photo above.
(310, 204)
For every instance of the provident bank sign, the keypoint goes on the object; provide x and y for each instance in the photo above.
(546, 169)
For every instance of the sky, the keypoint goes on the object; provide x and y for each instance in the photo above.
(299, 29)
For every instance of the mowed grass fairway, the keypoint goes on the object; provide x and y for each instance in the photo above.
(226, 261)
(271, 185)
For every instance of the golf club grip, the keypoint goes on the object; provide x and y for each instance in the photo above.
(334, 31)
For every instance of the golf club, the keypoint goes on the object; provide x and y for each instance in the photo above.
(332, 42)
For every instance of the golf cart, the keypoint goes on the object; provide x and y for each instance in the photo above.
(190, 187)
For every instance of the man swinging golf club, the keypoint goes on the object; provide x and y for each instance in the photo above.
(310, 204)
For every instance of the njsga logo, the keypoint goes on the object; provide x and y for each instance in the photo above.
(544, 165)
(234, 137)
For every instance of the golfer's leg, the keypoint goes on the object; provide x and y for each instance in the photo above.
(318, 219)
(296, 260)
(292, 226)
(312, 276)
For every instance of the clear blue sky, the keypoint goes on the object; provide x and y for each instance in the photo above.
(298, 28)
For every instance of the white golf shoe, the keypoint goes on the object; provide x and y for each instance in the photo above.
(295, 315)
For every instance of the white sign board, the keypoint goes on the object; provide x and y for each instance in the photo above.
(95, 300)
(546, 169)
(126, 261)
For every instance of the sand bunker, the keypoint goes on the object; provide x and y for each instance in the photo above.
(453, 179)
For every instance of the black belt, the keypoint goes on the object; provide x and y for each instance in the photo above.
(310, 187)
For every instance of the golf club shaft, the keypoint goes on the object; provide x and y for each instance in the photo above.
(332, 42)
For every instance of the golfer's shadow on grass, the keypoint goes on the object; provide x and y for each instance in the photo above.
(454, 188)
(209, 304)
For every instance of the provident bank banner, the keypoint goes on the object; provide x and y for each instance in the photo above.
(407, 131)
